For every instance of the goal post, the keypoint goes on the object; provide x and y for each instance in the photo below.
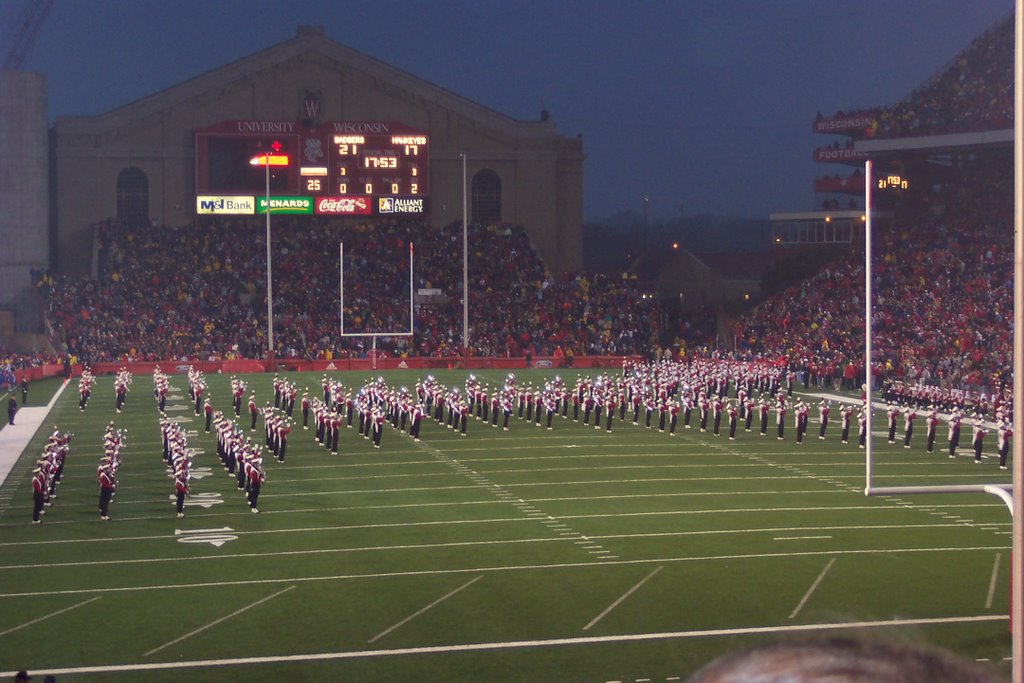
(1000, 490)
(376, 333)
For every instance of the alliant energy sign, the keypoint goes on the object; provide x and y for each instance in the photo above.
(392, 205)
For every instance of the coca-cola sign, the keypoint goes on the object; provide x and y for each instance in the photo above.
(358, 206)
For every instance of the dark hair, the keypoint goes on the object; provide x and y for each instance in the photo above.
(845, 660)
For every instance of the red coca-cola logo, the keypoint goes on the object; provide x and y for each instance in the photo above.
(347, 205)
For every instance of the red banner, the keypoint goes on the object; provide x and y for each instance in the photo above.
(852, 185)
(854, 125)
(846, 155)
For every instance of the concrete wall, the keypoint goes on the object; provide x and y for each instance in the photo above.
(24, 192)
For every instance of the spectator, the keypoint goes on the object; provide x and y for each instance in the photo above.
(197, 292)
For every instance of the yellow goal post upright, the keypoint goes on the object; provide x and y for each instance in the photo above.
(381, 333)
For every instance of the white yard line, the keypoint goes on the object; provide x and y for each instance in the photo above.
(494, 569)
(510, 645)
(47, 616)
(645, 496)
(814, 586)
(424, 609)
(703, 511)
(625, 595)
(289, 553)
(217, 621)
(426, 546)
(992, 581)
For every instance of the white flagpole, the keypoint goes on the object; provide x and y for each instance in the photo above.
(465, 259)
(270, 274)
(867, 320)
(1017, 553)
(341, 285)
(411, 301)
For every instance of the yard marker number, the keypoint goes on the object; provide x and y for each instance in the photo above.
(215, 537)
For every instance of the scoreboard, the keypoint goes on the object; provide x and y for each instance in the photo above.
(341, 166)
(375, 165)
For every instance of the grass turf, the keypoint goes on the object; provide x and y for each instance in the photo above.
(564, 555)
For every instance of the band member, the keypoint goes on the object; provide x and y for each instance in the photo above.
(891, 413)
(800, 420)
(954, 432)
(718, 409)
(823, 411)
(283, 429)
(335, 430)
(1004, 432)
(862, 427)
(845, 413)
(105, 476)
(931, 422)
(979, 436)
(180, 488)
(39, 488)
(909, 415)
(417, 418)
(256, 477)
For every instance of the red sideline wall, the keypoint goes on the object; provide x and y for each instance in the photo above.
(297, 365)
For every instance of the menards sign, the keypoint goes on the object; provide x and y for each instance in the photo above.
(289, 205)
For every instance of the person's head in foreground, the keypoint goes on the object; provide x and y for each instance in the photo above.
(842, 660)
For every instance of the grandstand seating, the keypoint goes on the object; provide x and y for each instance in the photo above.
(943, 305)
(974, 93)
(198, 292)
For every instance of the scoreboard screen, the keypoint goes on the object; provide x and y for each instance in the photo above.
(230, 166)
(336, 159)
(387, 165)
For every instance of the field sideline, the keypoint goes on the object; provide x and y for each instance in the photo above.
(564, 555)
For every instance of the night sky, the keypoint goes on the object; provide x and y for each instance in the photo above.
(703, 104)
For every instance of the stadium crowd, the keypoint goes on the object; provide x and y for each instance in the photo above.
(11, 360)
(942, 282)
(974, 93)
(198, 292)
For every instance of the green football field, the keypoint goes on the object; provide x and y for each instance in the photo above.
(529, 555)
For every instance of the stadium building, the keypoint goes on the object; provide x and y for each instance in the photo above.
(173, 155)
